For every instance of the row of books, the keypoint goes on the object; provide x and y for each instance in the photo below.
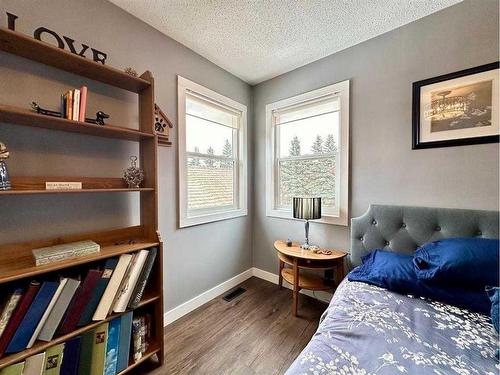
(104, 350)
(74, 104)
(50, 309)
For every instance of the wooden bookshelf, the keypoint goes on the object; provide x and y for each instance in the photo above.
(16, 261)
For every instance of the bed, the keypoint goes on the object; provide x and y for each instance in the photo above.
(370, 330)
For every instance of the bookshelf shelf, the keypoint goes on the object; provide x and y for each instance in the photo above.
(16, 260)
(45, 53)
(20, 116)
(40, 346)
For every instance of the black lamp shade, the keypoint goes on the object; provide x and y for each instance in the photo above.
(307, 208)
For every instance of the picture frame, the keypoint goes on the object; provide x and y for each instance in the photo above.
(456, 109)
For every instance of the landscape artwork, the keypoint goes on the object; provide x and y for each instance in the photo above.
(457, 109)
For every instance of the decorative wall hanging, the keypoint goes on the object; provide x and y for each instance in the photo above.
(4, 174)
(162, 127)
(457, 109)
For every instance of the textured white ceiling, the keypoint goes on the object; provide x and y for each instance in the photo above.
(260, 39)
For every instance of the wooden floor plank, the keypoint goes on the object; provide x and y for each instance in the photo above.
(252, 335)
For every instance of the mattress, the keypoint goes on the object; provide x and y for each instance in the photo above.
(370, 330)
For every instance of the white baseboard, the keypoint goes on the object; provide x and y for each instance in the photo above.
(188, 306)
(273, 278)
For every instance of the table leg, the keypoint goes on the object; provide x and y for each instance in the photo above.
(280, 276)
(295, 287)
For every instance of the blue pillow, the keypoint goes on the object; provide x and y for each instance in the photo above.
(471, 262)
(493, 295)
(396, 272)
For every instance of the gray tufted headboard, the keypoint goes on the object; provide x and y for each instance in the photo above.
(404, 228)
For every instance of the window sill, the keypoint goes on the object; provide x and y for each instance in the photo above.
(333, 220)
(209, 218)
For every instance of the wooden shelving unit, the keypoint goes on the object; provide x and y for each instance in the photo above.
(19, 264)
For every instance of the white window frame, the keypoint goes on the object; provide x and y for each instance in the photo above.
(220, 213)
(340, 90)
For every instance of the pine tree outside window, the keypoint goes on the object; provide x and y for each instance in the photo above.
(307, 152)
(212, 155)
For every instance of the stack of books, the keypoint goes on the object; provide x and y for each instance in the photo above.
(46, 255)
(104, 350)
(74, 103)
(49, 309)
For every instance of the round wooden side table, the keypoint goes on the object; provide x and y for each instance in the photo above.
(299, 259)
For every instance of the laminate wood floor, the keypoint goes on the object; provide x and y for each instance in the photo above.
(253, 334)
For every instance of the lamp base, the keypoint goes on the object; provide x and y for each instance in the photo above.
(306, 246)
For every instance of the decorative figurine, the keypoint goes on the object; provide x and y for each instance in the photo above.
(4, 174)
(42, 111)
(99, 118)
(133, 176)
(131, 72)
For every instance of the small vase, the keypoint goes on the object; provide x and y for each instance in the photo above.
(133, 176)
(4, 176)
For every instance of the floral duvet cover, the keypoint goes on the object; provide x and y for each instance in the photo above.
(370, 330)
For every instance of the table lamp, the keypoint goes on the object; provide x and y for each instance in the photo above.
(306, 209)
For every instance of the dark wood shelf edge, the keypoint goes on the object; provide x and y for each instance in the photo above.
(25, 46)
(41, 346)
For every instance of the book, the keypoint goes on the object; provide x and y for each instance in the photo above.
(69, 104)
(53, 360)
(124, 341)
(109, 294)
(86, 346)
(76, 104)
(47, 312)
(143, 333)
(16, 369)
(79, 301)
(136, 339)
(18, 315)
(143, 279)
(63, 105)
(50, 254)
(60, 307)
(112, 347)
(49, 185)
(90, 308)
(71, 356)
(83, 103)
(129, 286)
(124, 280)
(10, 305)
(99, 349)
(34, 364)
(32, 317)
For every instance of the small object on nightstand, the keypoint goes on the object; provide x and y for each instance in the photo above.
(289, 243)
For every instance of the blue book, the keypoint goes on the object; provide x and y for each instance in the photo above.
(91, 306)
(32, 318)
(71, 356)
(124, 341)
(112, 347)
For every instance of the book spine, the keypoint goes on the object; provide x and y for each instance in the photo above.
(143, 334)
(63, 105)
(18, 315)
(9, 308)
(69, 105)
(76, 104)
(136, 339)
(124, 342)
(58, 258)
(143, 279)
(83, 103)
(71, 356)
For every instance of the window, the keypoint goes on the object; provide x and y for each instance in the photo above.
(308, 151)
(212, 155)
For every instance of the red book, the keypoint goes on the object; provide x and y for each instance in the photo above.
(79, 301)
(83, 103)
(18, 315)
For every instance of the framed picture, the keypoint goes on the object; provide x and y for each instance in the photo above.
(457, 109)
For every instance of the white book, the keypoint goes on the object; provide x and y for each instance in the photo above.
(114, 283)
(128, 288)
(34, 364)
(76, 105)
(124, 281)
(46, 314)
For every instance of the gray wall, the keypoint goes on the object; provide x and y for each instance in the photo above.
(195, 258)
(384, 169)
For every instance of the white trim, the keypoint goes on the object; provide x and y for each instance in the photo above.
(185, 308)
(195, 302)
(186, 86)
(341, 90)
